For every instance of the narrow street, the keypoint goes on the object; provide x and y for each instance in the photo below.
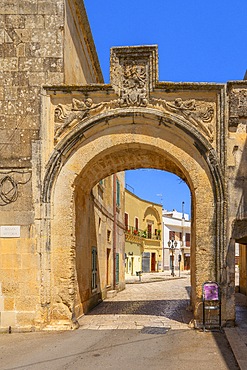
(143, 327)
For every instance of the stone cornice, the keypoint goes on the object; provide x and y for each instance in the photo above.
(200, 86)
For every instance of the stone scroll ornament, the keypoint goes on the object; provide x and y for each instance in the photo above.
(199, 114)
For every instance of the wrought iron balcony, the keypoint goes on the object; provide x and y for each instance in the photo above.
(131, 230)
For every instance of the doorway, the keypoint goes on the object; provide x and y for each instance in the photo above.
(153, 262)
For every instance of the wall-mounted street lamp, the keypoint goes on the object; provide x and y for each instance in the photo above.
(172, 244)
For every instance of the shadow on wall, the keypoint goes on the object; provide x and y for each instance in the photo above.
(239, 227)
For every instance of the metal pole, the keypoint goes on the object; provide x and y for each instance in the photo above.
(114, 237)
(172, 262)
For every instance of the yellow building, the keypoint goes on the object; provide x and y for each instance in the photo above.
(143, 238)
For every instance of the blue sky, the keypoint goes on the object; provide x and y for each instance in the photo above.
(198, 41)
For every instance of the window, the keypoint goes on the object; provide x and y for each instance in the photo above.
(100, 223)
(149, 231)
(117, 268)
(136, 223)
(101, 188)
(171, 235)
(94, 268)
(118, 193)
(187, 240)
(108, 267)
(126, 221)
(108, 235)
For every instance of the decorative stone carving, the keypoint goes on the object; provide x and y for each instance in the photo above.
(212, 157)
(9, 186)
(134, 73)
(238, 106)
(200, 114)
(68, 115)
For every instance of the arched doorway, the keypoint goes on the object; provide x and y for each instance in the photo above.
(106, 150)
(136, 122)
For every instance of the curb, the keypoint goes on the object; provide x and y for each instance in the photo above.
(238, 346)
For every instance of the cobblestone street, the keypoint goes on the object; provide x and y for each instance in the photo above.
(143, 327)
(163, 303)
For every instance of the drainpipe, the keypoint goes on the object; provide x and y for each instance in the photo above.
(114, 237)
(163, 243)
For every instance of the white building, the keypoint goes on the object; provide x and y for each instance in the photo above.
(176, 241)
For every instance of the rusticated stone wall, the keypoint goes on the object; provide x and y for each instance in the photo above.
(34, 38)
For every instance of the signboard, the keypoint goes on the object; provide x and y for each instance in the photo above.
(211, 291)
(10, 231)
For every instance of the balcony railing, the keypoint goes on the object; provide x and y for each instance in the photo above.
(130, 230)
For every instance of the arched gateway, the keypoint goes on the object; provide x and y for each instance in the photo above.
(135, 122)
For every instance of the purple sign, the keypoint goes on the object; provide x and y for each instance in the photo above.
(211, 291)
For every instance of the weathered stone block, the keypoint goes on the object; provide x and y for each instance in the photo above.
(53, 64)
(9, 304)
(15, 21)
(9, 64)
(31, 64)
(29, 261)
(1, 43)
(28, 7)
(8, 319)
(25, 319)
(53, 21)
(46, 7)
(11, 93)
(9, 287)
(10, 7)
(2, 20)
(8, 246)
(10, 261)
(24, 35)
(1, 303)
(33, 49)
(27, 303)
(34, 21)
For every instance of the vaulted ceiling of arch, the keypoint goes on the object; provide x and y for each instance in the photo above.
(125, 159)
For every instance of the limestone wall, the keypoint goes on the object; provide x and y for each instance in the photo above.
(35, 38)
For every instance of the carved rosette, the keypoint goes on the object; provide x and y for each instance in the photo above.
(238, 106)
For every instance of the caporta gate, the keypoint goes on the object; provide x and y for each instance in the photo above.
(71, 137)
(90, 132)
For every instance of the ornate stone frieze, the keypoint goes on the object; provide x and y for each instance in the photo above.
(66, 116)
(199, 114)
(238, 106)
(134, 73)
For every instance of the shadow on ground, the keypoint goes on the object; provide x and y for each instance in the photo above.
(172, 309)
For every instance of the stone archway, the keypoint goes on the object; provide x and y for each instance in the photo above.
(103, 134)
